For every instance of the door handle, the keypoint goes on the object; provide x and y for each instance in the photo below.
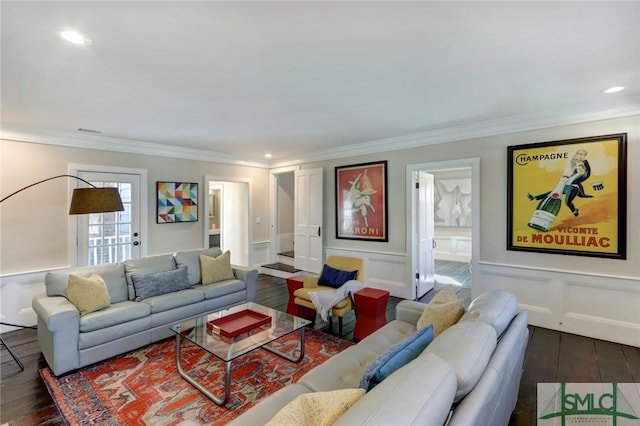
(319, 232)
(433, 243)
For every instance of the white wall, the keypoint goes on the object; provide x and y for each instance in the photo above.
(583, 295)
(34, 224)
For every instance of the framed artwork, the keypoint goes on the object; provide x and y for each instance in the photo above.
(361, 202)
(177, 202)
(569, 197)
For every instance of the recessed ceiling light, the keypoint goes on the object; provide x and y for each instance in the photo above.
(614, 89)
(74, 37)
(268, 156)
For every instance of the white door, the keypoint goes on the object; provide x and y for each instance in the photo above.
(234, 224)
(115, 236)
(308, 220)
(235, 213)
(425, 275)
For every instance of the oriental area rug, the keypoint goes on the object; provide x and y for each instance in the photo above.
(144, 388)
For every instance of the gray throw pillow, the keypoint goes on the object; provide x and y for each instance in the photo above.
(158, 283)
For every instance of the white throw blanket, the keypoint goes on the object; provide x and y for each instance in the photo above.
(325, 300)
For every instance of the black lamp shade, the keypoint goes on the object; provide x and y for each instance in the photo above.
(95, 200)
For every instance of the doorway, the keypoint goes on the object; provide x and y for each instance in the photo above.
(284, 223)
(227, 213)
(452, 222)
(281, 216)
(297, 221)
(454, 207)
(101, 238)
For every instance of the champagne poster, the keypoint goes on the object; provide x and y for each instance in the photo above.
(568, 197)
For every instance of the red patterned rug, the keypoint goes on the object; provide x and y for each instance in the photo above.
(144, 388)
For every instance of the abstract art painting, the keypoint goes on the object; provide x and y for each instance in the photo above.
(177, 202)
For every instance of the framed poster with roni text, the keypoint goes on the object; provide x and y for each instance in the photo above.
(177, 202)
(361, 202)
(569, 197)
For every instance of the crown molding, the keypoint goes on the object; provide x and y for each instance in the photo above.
(515, 124)
(21, 133)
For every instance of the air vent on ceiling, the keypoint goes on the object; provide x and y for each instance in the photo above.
(95, 132)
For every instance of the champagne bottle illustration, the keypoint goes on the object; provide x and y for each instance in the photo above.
(548, 208)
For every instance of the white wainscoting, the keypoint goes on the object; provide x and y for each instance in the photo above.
(16, 292)
(285, 242)
(455, 248)
(601, 307)
(261, 254)
(385, 271)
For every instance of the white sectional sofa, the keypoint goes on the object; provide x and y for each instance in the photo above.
(69, 341)
(468, 375)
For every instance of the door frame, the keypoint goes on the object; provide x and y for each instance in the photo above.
(412, 241)
(205, 214)
(424, 182)
(74, 169)
(273, 211)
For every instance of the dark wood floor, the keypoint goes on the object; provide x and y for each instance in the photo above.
(551, 357)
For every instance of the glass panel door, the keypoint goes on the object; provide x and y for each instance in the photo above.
(115, 236)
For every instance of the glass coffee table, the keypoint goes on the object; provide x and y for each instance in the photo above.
(233, 332)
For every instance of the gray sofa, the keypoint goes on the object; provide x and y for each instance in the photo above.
(469, 375)
(69, 341)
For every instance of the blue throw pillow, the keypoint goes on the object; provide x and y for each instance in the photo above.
(159, 283)
(332, 277)
(395, 357)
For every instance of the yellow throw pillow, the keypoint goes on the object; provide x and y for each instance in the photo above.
(444, 310)
(215, 269)
(316, 408)
(445, 295)
(88, 294)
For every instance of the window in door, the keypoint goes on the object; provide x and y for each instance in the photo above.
(114, 236)
(110, 237)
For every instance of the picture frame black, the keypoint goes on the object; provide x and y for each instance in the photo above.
(361, 201)
(176, 202)
(569, 197)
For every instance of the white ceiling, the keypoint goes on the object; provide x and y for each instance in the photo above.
(300, 78)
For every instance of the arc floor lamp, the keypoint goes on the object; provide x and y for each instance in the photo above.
(83, 201)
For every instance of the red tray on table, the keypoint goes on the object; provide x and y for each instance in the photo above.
(237, 323)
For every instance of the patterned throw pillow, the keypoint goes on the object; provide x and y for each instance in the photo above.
(331, 277)
(316, 408)
(216, 269)
(444, 310)
(158, 283)
(88, 294)
(395, 357)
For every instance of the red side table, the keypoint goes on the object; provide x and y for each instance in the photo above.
(371, 305)
(294, 283)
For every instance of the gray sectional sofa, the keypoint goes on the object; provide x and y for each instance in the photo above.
(69, 341)
(468, 375)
